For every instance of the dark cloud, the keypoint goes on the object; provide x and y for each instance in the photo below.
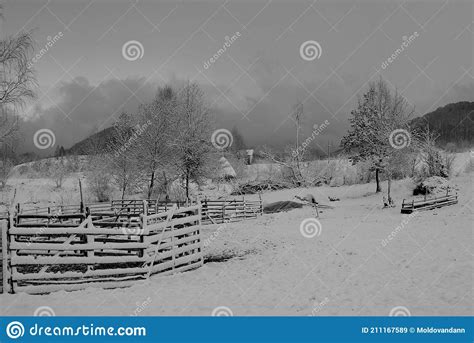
(261, 113)
(84, 109)
(463, 92)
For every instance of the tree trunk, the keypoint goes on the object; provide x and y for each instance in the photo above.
(152, 183)
(165, 186)
(187, 186)
(389, 186)
(377, 181)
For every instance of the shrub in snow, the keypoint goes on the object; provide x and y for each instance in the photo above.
(433, 185)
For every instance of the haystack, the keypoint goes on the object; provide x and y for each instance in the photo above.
(226, 170)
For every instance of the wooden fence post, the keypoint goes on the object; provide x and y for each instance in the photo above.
(144, 224)
(5, 258)
(199, 231)
(223, 212)
(173, 248)
(90, 239)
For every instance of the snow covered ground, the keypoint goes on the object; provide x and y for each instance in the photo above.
(426, 266)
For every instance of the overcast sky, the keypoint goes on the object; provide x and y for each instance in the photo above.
(85, 80)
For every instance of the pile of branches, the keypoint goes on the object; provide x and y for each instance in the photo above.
(254, 187)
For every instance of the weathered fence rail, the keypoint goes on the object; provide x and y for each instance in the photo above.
(429, 204)
(95, 253)
(115, 206)
(233, 210)
(214, 211)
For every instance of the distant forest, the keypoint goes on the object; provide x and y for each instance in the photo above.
(454, 123)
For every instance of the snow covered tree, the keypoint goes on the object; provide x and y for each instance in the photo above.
(379, 132)
(17, 80)
(123, 164)
(191, 145)
(154, 143)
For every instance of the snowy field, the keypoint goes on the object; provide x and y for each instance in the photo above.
(267, 267)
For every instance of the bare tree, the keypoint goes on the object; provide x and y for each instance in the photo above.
(17, 80)
(98, 177)
(191, 144)
(6, 165)
(154, 142)
(59, 170)
(97, 174)
(297, 116)
(288, 160)
(8, 158)
(122, 152)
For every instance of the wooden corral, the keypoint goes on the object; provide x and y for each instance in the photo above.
(214, 211)
(67, 252)
(108, 245)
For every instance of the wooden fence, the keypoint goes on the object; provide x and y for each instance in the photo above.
(107, 245)
(70, 252)
(4, 260)
(115, 206)
(429, 204)
(233, 210)
(213, 211)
